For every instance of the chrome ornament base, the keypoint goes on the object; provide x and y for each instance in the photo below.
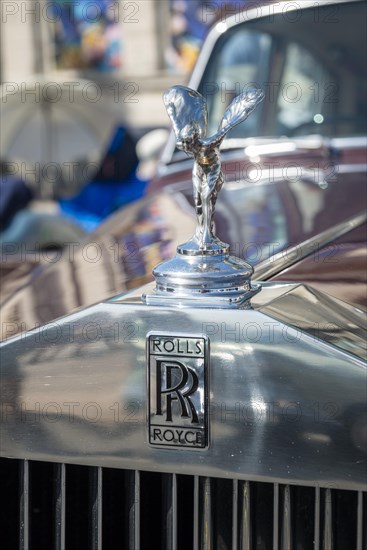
(205, 281)
(195, 248)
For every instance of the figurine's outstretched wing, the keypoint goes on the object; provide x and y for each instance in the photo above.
(240, 108)
(187, 111)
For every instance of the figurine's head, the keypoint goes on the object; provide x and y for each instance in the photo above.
(187, 111)
(188, 138)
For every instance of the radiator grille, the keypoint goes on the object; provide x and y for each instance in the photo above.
(49, 506)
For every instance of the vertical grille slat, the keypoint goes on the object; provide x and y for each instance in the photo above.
(196, 513)
(60, 484)
(286, 533)
(317, 519)
(174, 512)
(245, 528)
(171, 512)
(96, 507)
(24, 506)
(276, 517)
(235, 501)
(364, 521)
(328, 521)
(360, 521)
(134, 512)
(137, 511)
(207, 525)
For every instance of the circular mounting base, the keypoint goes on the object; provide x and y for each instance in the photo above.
(207, 280)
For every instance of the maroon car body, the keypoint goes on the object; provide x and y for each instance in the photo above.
(316, 235)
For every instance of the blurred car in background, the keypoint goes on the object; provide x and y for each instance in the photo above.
(293, 205)
(295, 172)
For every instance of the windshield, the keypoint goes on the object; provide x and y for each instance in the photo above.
(310, 63)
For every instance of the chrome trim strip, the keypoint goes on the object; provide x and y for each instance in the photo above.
(24, 506)
(231, 151)
(231, 147)
(351, 142)
(328, 521)
(266, 147)
(276, 516)
(279, 262)
(286, 533)
(60, 506)
(360, 521)
(352, 168)
(277, 174)
(317, 519)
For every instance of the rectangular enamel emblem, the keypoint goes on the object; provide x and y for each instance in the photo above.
(178, 391)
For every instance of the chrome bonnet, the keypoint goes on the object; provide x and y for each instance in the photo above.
(284, 405)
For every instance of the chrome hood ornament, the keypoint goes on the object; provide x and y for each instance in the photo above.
(203, 273)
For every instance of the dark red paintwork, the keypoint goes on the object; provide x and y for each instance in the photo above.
(257, 218)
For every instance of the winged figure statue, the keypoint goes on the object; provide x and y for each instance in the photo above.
(188, 113)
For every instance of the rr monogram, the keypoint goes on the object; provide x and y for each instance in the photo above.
(176, 392)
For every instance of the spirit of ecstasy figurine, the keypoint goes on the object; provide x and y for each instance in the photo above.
(203, 273)
(188, 113)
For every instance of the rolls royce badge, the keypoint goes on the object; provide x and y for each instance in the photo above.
(178, 390)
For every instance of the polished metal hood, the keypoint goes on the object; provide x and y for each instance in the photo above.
(285, 405)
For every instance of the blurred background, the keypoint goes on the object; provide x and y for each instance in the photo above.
(138, 46)
(82, 124)
(81, 83)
